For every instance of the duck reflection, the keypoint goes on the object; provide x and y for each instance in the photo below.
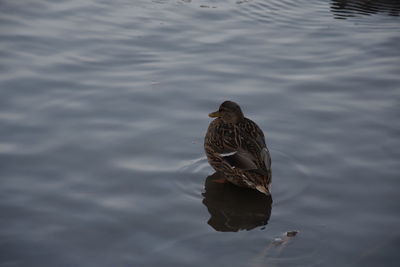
(234, 208)
(343, 9)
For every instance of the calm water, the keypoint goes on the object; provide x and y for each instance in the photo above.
(104, 107)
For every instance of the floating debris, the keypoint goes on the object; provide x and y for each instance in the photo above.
(291, 233)
(284, 239)
(277, 245)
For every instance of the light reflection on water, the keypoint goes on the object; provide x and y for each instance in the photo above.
(104, 110)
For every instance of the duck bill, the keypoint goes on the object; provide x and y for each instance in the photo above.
(215, 114)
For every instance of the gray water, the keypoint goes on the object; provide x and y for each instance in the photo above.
(103, 112)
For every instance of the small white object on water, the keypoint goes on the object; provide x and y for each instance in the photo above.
(281, 241)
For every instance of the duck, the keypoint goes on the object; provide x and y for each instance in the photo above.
(235, 146)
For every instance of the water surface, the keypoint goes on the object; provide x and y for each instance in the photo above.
(104, 109)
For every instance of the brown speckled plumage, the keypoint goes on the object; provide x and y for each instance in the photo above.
(235, 145)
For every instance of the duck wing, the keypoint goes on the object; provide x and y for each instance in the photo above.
(253, 144)
(240, 159)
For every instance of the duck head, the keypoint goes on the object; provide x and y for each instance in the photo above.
(229, 112)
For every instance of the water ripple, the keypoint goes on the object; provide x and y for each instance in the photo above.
(353, 8)
(104, 109)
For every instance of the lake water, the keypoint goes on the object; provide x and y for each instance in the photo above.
(103, 112)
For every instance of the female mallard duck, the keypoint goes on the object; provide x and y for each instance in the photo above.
(235, 146)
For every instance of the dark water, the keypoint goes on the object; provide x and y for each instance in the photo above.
(104, 107)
